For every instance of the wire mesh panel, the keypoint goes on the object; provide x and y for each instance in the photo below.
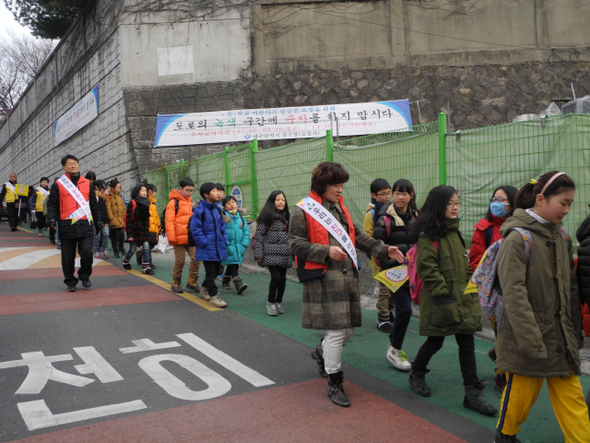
(288, 168)
(211, 168)
(480, 160)
(239, 173)
(413, 157)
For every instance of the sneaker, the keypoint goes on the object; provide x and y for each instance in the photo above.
(148, 271)
(384, 326)
(280, 309)
(58, 245)
(220, 277)
(398, 358)
(40, 235)
(96, 255)
(271, 309)
(72, 288)
(105, 255)
(204, 293)
(217, 302)
(86, 283)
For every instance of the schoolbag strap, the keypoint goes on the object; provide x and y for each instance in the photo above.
(528, 240)
(489, 233)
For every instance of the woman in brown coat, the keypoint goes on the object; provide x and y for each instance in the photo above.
(116, 212)
(321, 230)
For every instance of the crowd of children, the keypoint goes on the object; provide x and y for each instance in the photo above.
(540, 333)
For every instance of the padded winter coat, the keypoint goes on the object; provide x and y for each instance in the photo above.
(208, 229)
(154, 218)
(116, 211)
(177, 221)
(399, 231)
(541, 329)
(272, 245)
(583, 236)
(238, 238)
(478, 242)
(445, 309)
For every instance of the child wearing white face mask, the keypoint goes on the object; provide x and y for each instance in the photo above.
(487, 230)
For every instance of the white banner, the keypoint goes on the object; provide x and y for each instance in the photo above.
(76, 117)
(282, 123)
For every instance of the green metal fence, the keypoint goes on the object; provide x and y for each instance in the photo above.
(474, 161)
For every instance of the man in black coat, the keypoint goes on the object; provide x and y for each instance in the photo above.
(72, 206)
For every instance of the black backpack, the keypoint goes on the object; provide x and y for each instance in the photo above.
(163, 217)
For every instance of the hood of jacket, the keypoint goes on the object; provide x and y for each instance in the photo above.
(175, 193)
(523, 219)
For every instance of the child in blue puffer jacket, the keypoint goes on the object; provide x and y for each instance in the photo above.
(208, 230)
(238, 239)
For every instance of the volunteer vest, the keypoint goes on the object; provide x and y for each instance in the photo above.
(316, 233)
(39, 201)
(10, 194)
(68, 204)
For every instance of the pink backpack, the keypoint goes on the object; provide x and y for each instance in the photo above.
(416, 282)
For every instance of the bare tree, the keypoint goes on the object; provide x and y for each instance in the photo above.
(21, 57)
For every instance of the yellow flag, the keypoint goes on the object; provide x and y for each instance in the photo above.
(22, 190)
(393, 278)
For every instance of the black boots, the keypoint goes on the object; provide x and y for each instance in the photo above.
(503, 438)
(418, 383)
(336, 391)
(318, 355)
(225, 281)
(474, 399)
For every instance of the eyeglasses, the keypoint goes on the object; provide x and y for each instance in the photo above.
(498, 200)
(454, 204)
(384, 194)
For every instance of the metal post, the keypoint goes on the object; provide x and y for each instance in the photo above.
(329, 144)
(253, 177)
(442, 149)
(227, 174)
(182, 168)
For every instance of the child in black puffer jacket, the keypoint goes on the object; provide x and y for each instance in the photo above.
(271, 248)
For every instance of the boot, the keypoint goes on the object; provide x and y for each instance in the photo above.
(318, 355)
(474, 399)
(192, 283)
(145, 268)
(503, 438)
(152, 265)
(240, 285)
(336, 391)
(418, 383)
(225, 281)
(176, 286)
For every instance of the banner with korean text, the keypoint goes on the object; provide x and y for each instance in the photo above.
(75, 118)
(282, 123)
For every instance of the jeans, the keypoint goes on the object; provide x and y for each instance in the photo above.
(117, 239)
(212, 269)
(403, 313)
(101, 239)
(232, 271)
(278, 281)
(466, 356)
(145, 252)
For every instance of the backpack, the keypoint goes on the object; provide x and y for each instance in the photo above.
(163, 217)
(415, 281)
(486, 279)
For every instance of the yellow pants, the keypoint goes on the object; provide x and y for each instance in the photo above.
(567, 399)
